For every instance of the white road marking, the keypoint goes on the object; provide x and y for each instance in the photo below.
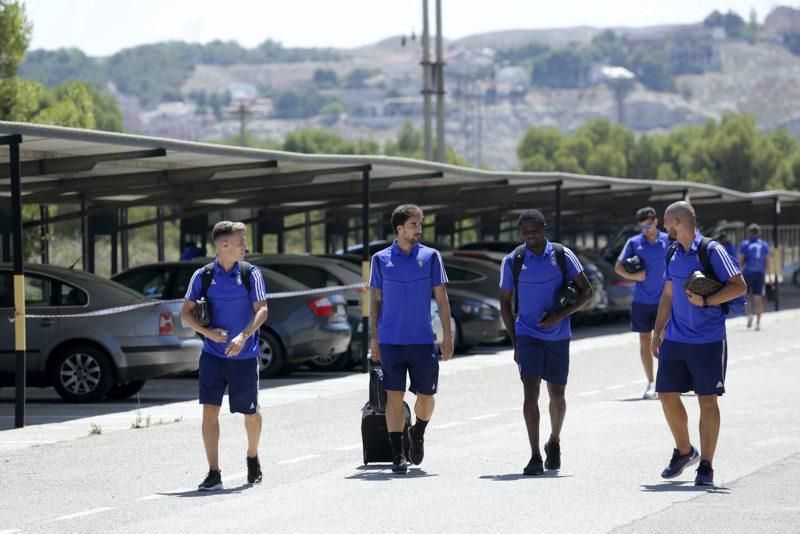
(796, 346)
(298, 459)
(42, 441)
(783, 349)
(10, 531)
(448, 425)
(152, 497)
(766, 353)
(349, 447)
(642, 381)
(485, 416)
(586, 393)
(83, 514)
(234, 476)
(618, 386)
(748, 357)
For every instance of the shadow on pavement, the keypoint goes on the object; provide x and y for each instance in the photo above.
(520, 476)
(383, 472)
(196, 493)
(684, 486)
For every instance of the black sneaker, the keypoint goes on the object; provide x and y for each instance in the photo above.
(400, 465)
(705, 474)
(212, 482)
(534, 467)
(553, 452)
(417, 451)
(253, 470)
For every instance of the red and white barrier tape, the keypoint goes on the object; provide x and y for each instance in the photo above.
(129, 307)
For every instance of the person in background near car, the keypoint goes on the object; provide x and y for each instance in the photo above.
(541, 333)
(191, 251)
(231, 348)
(694, 352)
(722, 239)
(401, 279)
(650, 246)
(754, 259)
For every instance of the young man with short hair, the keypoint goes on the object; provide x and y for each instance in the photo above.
(754, 259)
(540, 333)
(689, 340)
(650, 247)
(231, 347)
(401, 279)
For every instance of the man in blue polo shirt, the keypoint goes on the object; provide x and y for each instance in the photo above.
(541, 331)
(401, 279)
(754, 259)
(689, 340)
(650, 246)
(231, 348)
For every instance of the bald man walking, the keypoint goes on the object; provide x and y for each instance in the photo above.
(689, 339)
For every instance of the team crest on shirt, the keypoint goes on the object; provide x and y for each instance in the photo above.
(420, 263)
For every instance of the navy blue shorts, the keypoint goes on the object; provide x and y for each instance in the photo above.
(546, 359)
(420, 362)
(643, 317)
(240, 377)
(755, 283)
(701, 367)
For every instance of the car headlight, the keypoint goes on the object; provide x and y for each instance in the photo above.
(475, 308)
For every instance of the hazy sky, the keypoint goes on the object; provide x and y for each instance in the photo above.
(102, 27)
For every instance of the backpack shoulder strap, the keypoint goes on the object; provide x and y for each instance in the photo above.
(702, 255)
(516, 268)
(561, 258)
(207, 276)
(247, 269)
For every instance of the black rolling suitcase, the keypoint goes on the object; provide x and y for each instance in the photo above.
(374, 434)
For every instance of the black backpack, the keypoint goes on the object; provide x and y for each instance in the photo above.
(208, 275)
(516, 268)
(733, 307)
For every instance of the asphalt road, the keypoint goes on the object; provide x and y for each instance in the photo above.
(614, 446)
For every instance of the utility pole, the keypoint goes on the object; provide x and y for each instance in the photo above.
(427, 134)
(439, 76)
(242, 112)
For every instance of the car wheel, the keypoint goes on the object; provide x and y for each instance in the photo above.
(123, 391)
(272, 357)
(330, 362)
(82, 373)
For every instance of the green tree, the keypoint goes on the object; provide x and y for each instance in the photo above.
(544, 142)
(607, 160)
(325, 78)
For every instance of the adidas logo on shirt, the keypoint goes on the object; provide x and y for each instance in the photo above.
(523, 267)
(390, 264)
(213, 282)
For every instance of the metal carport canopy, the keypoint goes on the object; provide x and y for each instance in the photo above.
(107, 171)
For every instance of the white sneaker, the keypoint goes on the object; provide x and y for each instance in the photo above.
(650, 392)
(758, 327)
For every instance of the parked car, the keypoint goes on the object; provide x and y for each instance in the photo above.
(477, 318)
(88, 358)
(297, 330)
(618, 289)
(317, 272)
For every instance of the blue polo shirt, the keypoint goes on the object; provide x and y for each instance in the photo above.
(652, 254)
(406, 281)
(689, 323)
(539, 283)
(755, 251)
(230, 305)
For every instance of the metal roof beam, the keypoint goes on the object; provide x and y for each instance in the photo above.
(39, 167)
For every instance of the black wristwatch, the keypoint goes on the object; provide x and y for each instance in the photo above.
(705, 302)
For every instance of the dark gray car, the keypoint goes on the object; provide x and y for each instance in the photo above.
(88, 358)
(298, 328)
